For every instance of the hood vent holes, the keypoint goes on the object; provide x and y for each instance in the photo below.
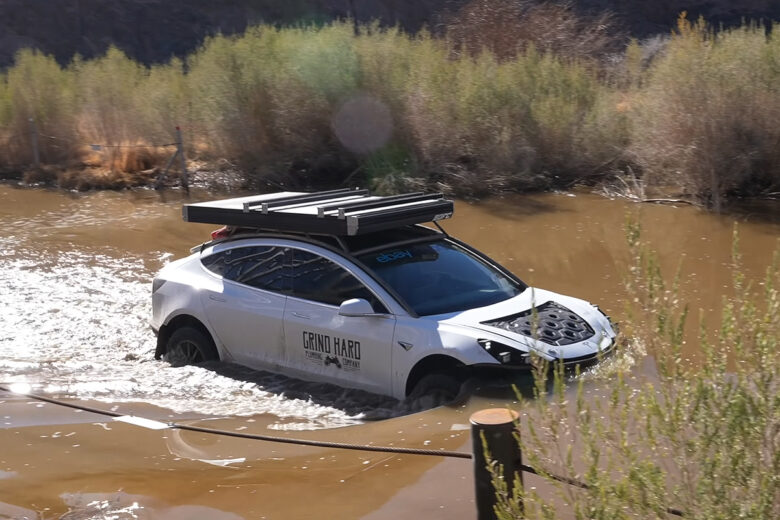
(557, 325)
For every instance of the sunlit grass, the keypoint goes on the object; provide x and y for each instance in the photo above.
(666, 431)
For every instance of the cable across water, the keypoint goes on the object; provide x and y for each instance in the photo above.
(309, 442)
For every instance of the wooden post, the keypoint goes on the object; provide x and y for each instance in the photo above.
(160, 184)
(496, 426)
(34, 143)
(185, 181)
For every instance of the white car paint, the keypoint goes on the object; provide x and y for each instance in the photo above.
(268, 330)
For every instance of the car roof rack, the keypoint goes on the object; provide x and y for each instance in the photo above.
(342, 212)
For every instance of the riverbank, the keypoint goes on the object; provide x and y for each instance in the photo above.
(689, 116)
(212, 177)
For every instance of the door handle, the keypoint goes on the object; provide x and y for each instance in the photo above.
(216, 298)
(301, 315)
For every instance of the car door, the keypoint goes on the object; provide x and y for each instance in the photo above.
(350, 351)
(245, 305)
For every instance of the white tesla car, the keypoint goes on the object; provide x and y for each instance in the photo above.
(349, 288)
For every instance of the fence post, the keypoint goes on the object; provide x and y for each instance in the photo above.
(496, 426)
(34, 142)
(185, 181)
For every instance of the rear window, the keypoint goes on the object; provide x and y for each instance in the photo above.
(261, 267)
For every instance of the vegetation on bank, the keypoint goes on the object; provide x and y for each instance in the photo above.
(692, 429)
(693, 114)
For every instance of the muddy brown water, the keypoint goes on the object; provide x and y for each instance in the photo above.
(75, 273)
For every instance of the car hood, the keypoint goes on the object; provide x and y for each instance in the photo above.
(565, 327)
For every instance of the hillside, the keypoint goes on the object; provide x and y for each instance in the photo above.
(152, 31)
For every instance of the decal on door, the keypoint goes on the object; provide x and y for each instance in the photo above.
(341, 353)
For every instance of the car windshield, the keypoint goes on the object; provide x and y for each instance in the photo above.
(441, 277)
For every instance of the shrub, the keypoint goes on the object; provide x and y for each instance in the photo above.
(695, 113)
(114, 112)
(706, 120)
(506, 28)
(525, 123)
(37, 88)
(266, 98)
(699, 435)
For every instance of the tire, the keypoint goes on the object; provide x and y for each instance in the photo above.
(189, 346)
(436, 389)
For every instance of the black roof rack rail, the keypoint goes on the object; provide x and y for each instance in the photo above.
(343, 208)
(345, 212)
(302, 198)
(321, 210)
(385, 218)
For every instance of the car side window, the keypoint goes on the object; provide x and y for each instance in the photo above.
(318, 279)
(262, 267)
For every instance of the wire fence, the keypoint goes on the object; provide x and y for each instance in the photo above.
(94, 146)
(315, 443)
(35, 138)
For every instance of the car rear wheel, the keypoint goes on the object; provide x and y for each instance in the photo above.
(189, 346)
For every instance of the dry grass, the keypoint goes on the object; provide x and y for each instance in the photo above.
(706, 119)
(507, 28)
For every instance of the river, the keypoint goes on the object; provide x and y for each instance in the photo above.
(75, 282)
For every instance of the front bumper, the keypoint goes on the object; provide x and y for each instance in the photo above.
(514, 359)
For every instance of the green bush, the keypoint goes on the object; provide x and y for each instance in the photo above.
(698, 433)
(37, 88)
(698, 118)
(705, 121)
(266, 98)
(483, 125)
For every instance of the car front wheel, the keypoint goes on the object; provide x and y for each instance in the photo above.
(435, 390)
(189, 346)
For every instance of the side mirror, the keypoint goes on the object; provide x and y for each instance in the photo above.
(358, 307)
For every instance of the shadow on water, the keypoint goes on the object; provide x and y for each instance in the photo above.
(358, 403)
(373, 407)
(766, 211)
(502, 387)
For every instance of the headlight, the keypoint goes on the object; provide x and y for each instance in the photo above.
(504, 354)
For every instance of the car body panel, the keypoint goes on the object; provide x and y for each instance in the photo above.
(178, 297)
(247, 321)
(418, 338)
(350, 351)
(279, 331)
